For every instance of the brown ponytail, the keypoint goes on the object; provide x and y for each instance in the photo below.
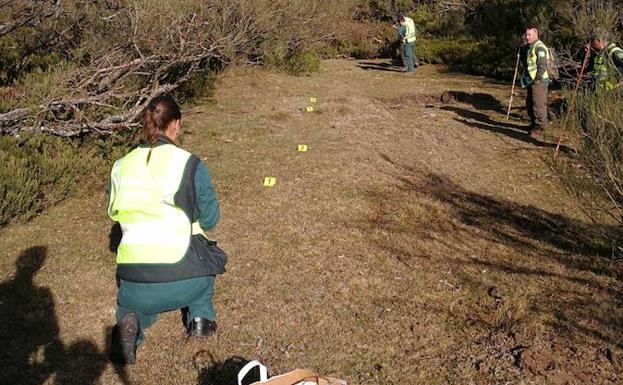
(156, 117)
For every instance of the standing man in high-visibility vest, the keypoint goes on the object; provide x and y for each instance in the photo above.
(163, 199)
(407, 35)
(536, 79)
(605, 63)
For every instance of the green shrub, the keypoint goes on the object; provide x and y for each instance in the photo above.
(454, 51)
(17, 58)
(431, 22)
(595, 122)
(39, 171)
(302, 63)
(492, 57)
(199, 85)
(279, 55)
(362, 40)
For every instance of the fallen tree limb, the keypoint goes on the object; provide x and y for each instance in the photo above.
(105, 85)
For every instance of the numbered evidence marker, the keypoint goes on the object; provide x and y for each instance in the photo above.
(310, 109)
(302, 148)
(270, 181)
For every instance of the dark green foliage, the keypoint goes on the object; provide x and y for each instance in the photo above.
(493, 58)
(18, 58)
(44, 60)
(302, 62)
(454, 51)
(200, 85)
(384, 10)
(40, 171)
(482, 36)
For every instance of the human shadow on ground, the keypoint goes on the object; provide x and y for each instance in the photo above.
(509, 222)
(32, 351)
(569, 262)
(225, 372)
(486, 102)
(478, 100)
(389, 67)
(486, 119)
(515, 131)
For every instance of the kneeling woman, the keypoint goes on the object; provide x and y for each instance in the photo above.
(163, 199)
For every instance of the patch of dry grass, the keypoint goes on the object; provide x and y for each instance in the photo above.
(403, 248)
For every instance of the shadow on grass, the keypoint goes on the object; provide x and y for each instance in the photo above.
(569, 263)
(32, 351)
(484, 122)
(389, 67)
(478, 100)
(486, 119)
(226, 372)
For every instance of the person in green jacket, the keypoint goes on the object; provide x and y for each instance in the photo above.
(407, 36)
(163, 199)
(536, 79)
(605, 62)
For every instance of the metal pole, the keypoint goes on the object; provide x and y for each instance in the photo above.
(510, 102)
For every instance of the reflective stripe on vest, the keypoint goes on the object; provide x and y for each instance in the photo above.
(410, 34)
(532, 60)
(142, 200)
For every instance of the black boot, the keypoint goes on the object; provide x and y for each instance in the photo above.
(124, 339)
(201, 327)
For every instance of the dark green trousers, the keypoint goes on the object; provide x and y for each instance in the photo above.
(408, 56)
(148, 300)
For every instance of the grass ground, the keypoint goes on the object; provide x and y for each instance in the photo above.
(422, 239)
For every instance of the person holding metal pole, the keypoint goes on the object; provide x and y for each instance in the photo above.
(605, 63)
(536, 79)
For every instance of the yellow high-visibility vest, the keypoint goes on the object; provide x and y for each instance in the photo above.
(142, 200)
(532, 59)
(604, 75)
(410, 34)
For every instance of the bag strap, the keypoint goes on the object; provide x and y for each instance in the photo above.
(248, 367)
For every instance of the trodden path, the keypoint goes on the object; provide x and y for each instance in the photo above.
(421, 239)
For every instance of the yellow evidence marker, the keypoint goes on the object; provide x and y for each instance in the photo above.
(310, 109)
(302, 148)
(313, 100)
(270, 181)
